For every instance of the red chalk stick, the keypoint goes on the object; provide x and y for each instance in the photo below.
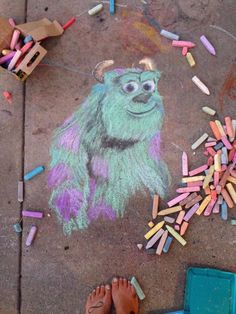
(69, 23)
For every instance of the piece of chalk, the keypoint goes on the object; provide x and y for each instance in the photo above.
(12, 22)
(180, 217)
(196, 183)
(215, 130)
(220, 128)
(168, 219)
(217, 162)
(208, 176)
(220, 199)
(227, 198)
(224, 211)
(139, 246)
(162, 243)
(177, 227)
(193, 179)
(14, 60)
(203, 205)
(197, 170)
(225, 177)
(176, 235)
(190, 59)
(188, 189)
(226, 142)
(188, 199)
(191, 212)
(33, 173)
(193, 201)
(27, 39)
(216, 208)
(150, 224)
(207, 45)
(32, 214)
(26, 47)
(224, 156)
(229, 126)
(14, 39)
(6, 52)
(31, 236)
(218, 146)
(17, 227)
(151, 232)
(216, 178)
(7, 96)
(7, 58)
(199, 141)
(20, 191)
(233, 222)
(155, 206)
(231, 191)
(231, 179)
(184, 51)
(19, 45)
(184, 228)
(138, 289)
(234, 130)
(181, 43)
(211, 151)
(200, 85)
(154, 239)
(96, 9)
(112, 7)
(167, 244)
(169, 35)
(170, 210)
(69, 23)
(177, 199)
(209, 207)
(210, 144)
(209, 110)
(184, 164)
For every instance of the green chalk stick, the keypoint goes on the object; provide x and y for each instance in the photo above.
(233, 222)
(138, 289)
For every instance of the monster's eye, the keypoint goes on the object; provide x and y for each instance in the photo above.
(130, 87)
(149, 86)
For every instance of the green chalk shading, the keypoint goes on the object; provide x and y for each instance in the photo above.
(138, 289)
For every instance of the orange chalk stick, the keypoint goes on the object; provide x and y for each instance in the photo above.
(155, 206)
(162, 243)
(180, 217)
(231, 179)
(227, 198)
(220, 128)
(184, 228)
(215, 130)
(229, 126)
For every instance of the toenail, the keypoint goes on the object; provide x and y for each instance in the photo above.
(108, 287)
(115, 279)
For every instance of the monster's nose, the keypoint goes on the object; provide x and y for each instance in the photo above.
(142, 98)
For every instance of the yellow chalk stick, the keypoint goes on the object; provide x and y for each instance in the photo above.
(155, 206)
(190, 59)
(176, 235)
(231, 179)
(220, 128)
(170, 210)
(231, 191)
(193, 179)
(150, 224)
(203, 205)
(208, 176)
(199, 141)
(151, 232)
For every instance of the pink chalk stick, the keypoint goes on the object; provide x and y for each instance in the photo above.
(180, 217)
(209, 208)
(197, 183)
(177, 227)
(26, 47)
(7, 57)
(14, 39)
(27, 213)
(197, 170)
(191, 212)
(208, 45)
(14, 60)
(216, 208)
(226, 142)
(31, 236)
(216, 178)
(181, 43)
(188, 189)
(209, 144)
(184, 164)
(12, 22)
(184, 51)
(177, 199)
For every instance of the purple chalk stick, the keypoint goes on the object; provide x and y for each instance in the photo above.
(191, 212)
(7, 57)
(208, 45)
(27, 213)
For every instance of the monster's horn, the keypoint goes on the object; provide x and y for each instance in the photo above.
(148, 64)
(99, 68)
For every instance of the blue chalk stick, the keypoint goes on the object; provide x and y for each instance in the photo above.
(167, 244)
(112, 7)
(176, 312)
(218, 146)
(224, 211)
(33, 173)
(27, 39)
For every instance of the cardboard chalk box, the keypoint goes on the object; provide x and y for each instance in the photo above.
(39, 30)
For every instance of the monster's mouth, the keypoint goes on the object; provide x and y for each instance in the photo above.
(141, 113)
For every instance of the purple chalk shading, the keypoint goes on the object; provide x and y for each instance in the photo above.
(99, 167)
(27, 213)
(69, 203)
(191, 212)
(92, 189)
(68, 121)
(70, 139)
(154, 147)
(106, 212)
(58, 174)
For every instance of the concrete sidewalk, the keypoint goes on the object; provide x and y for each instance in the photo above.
(55, 275)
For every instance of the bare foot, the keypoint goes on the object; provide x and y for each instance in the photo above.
(124, 297)
(99, 301)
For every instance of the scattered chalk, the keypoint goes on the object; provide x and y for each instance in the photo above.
(170, 210)
(27, 39)
(200, 85)
(32, 214)
(69, 23)
(184, 51)
(139, 246)
(177, 199)
(162, 243)
(151, 232)
(181, 43)
(155, 206)
(20, 191)
(184, 164)
(96, 9)
(199, 141)
(169, 35)
(138, 289)
(224, 211)
(209, 110)
(208, 45)
(154, 239)
(190, 59)
(176, 235)
(167, 244)
(31, 236)
(33, 173)
(168, 219)
(17, 227)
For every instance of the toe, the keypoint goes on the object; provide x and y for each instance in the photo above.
(125, 282)
(107, 292)
(97, 290)
(93, 293)
(102, 290)
(115, 283)
(90, 296)
(120, 282)
(133, 291)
